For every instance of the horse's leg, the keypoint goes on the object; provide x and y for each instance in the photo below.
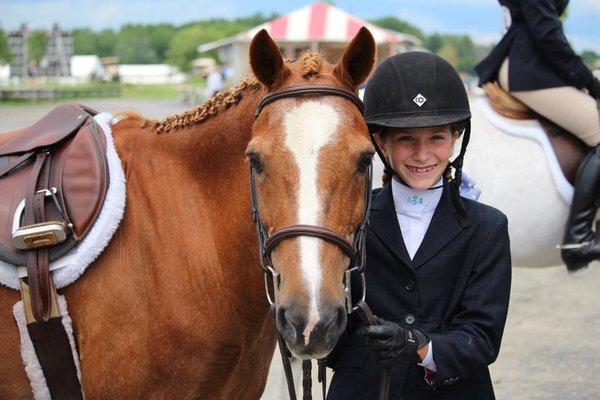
(13, 380)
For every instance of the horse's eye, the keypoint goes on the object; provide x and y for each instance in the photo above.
(254, 160)
(364, 161)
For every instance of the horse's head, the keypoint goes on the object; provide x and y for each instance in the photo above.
(310, 155)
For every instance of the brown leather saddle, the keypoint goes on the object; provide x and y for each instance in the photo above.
(53, 182)
(569, 150)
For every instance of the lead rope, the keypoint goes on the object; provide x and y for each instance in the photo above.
(368, 318)
(285, 358)
(306, 380)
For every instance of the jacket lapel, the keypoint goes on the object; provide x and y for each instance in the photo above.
(384, 224)
(444, 226)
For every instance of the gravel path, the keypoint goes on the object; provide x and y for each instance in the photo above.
(551, 346)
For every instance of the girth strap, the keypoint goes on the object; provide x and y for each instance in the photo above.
(54, 353)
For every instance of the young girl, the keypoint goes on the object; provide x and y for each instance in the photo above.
(438, 265)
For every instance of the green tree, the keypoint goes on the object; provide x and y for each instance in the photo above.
(590, 58)
(184, 47)
(37, 44)
(160, 38)
(398, 25)
(5, 54)
(135, 50)
(434, 42)
(449, 53)
(106, 41)
(85, 41)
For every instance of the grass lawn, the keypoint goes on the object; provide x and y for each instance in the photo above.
(124, 91)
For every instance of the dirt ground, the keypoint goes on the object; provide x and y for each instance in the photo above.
(551, 345)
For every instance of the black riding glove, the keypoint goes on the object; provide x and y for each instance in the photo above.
(391, 342)
(594, 88)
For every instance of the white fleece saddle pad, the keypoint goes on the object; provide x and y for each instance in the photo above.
(71, 266)
(530, 129)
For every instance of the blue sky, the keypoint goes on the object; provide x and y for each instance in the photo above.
(479, 18)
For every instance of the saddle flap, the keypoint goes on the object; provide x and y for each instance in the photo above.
(53, 128)
(78, 171)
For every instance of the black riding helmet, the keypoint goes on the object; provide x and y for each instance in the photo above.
(415, 90)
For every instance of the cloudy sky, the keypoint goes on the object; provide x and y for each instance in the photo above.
(481, 19)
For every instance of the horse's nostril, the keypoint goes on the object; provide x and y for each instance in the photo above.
(340, 320)
(281, 317)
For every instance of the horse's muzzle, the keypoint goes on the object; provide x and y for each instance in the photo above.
(293, 324)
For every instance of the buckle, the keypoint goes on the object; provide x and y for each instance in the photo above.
(39, 235)
(26, 297)
(572, 246)
(42, 234)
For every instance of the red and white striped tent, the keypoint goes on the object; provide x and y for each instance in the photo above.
(319, 25)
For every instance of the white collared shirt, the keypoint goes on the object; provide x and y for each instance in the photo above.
(414, 210)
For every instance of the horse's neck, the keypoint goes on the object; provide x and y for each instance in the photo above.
(193, 184)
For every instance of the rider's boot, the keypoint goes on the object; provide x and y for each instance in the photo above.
(580, 243)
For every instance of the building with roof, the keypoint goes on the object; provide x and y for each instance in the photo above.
(319, 26)
(150, 74)
(87, 68)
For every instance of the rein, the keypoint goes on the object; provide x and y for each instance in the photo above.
(356, 251)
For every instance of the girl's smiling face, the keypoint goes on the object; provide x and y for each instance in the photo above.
(418, 155)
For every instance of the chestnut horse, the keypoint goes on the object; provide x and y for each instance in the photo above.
(175, 306)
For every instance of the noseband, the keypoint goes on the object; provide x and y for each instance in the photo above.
(356, 251)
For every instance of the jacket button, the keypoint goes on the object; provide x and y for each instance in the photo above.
(410, 286)
(409, 319)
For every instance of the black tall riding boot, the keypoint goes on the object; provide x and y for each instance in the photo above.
(580, 243)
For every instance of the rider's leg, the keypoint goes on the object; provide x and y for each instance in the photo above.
(572, 109)
(580, 243)
(577, 112)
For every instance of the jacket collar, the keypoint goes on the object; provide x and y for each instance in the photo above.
(444, 226)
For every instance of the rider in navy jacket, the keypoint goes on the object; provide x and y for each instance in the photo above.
(540, 55)
(536, 64)
(438, 265)
(456, 289)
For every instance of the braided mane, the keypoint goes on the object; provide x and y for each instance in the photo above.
(310, 64)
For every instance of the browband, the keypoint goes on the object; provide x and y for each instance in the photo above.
(308, 90)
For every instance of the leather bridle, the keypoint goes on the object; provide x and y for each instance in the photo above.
(356, 251)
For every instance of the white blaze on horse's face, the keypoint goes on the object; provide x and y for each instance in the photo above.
(308, 128)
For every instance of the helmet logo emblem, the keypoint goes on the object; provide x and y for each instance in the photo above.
(420, 100)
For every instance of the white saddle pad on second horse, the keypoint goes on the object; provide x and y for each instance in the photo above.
(530, 129)
(71, 266)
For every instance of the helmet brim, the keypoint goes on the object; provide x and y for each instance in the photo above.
(416, 121)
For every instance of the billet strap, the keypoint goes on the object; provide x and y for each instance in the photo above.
(309, 90)
(38, 269)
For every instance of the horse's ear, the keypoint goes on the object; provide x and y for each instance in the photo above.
(358, 59)
(265, 59)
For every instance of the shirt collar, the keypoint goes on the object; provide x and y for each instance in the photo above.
(414, 202)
